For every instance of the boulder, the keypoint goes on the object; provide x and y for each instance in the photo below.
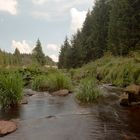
(63, 92)
(7, 127)
(134, 89)
(28, 92)
(24, 101)
(133, 92)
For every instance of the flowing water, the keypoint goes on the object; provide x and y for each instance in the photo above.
(46, 117)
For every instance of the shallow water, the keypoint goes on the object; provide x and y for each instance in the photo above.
(61, 118)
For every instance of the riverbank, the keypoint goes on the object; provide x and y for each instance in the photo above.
(118, 71)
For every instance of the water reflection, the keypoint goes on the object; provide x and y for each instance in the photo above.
(13, 113)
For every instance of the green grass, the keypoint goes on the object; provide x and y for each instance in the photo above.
(11, 87)
(87, 91)
(39, 83)
(120, 71)
(51, 82)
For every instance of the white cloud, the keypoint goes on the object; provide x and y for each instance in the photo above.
(53, 47)
(9, 6)
(54, 58)
(77, 19)
(22, 46)
(60, 9)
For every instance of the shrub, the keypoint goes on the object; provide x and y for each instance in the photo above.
(11, 86)
(58, 81)
(39, 83)
(51, 82)
(87, 91)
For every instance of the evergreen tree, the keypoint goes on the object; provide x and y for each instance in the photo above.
(38, 54)
(124, 31)
(17, 57)
(99, 34)
(112, 25)
(64, 53)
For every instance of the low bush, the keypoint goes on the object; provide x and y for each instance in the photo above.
(39, 83)
(87, 91)
(51, 82)
(58, 81)
(11, 86)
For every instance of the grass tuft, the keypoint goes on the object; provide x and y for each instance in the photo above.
(51, 82)
(87, 92)
(11, 87)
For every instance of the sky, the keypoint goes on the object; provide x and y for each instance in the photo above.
(22, 22)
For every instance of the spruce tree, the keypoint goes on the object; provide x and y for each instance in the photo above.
(17, 57)
(38, 54)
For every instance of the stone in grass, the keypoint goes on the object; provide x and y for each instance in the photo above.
(7, 127)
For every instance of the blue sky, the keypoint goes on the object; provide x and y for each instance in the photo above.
(22, 22)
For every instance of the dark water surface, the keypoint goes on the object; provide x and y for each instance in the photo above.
(61, 118)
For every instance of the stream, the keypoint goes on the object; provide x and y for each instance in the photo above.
(48, 117)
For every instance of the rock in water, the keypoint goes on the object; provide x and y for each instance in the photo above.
(133, 92)
(63, 92)
(134, 89)
(24, 101)
(7, 127)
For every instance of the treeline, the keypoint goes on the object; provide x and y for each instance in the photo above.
(18, 59)
(111, 26)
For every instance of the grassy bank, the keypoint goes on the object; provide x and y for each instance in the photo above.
(119, 71)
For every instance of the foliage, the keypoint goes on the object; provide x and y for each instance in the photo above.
(40, 83)
(38, 54)
(120, 71)
(17, 59)
(58, 81)
(17, 56)
(63, 57)
(51, 82)
(11, 86)
(112, 25)
(88, 91)
(124, 31)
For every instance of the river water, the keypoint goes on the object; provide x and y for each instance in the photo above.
(46, 117)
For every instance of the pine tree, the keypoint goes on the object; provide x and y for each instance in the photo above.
(124, 29)
(64, 53)
(17, 57)
(38, 54)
